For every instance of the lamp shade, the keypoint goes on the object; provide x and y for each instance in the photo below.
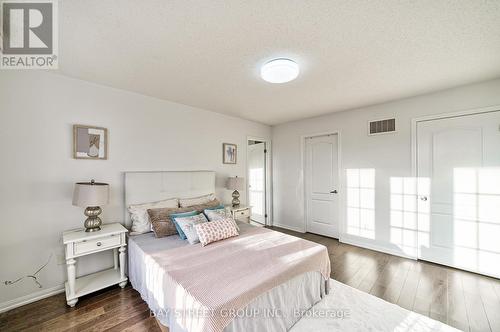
(90, 194)
(235, 183)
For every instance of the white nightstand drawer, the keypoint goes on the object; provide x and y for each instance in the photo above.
(97, 244)
(242, 213)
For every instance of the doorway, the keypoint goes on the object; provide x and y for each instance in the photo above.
(321, 177)
(458, 191)
(258, 180)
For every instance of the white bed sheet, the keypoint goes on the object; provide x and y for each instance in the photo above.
(276, 310)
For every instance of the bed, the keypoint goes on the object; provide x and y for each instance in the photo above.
(261, 280)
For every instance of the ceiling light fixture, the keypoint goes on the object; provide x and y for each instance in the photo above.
(279, 71)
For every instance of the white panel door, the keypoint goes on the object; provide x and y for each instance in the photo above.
(459, 192)
(257, 181)
(321, 183)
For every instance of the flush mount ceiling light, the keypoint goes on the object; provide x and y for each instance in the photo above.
(279, 71)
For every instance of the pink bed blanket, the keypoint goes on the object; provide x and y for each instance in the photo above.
(206, 286)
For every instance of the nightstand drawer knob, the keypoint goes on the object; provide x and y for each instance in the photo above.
(98, 244)
(242, 212)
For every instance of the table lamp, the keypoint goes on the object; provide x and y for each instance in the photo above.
(91, 195)
(235, 183)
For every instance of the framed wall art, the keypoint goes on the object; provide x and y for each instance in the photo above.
(229, 153)
(90, 142)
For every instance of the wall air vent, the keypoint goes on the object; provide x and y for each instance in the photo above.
(381, 126)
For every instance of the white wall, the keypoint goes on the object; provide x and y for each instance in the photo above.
(389, 155)
(37, 111)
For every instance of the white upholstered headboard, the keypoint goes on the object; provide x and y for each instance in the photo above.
(143, 187)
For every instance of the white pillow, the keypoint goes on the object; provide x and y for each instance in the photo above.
(215, 214)
(187, 202)
(139, 214)
(187, 225)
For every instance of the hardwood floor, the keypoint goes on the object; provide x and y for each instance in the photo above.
(465, 300)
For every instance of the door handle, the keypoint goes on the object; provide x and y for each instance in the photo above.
(334, 191)
(423, 198)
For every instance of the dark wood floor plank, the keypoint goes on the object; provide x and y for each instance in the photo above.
(57, 307)
(87, 304)
(367, 263)
(390, 283)
(374, 273)
(131, 321)
(115, 317)
(32, 308)
(148, 324)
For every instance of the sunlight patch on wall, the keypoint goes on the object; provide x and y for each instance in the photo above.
(476, 211)
(410, 213)
(361, 202)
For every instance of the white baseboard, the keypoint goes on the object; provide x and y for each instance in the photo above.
(372, 246)
(33, 297)
(296, 229)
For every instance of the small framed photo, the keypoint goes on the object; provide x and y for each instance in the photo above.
(90, 142)
(229, 153)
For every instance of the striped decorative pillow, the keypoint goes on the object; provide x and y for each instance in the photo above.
(216, 230)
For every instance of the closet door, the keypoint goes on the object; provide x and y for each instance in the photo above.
(458, 160)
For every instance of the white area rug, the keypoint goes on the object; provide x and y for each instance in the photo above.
(348, 310)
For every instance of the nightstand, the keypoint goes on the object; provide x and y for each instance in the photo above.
(79, 243)
(241, 213)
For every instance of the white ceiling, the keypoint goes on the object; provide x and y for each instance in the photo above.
(208, 53)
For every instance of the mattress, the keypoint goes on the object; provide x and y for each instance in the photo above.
(275, 310)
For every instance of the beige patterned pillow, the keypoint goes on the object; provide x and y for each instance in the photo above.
(185, 202)
(162, 223)
(216, 230)
(139, 215)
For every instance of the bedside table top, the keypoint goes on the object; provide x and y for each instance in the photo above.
(241, 207)
(80, 234)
